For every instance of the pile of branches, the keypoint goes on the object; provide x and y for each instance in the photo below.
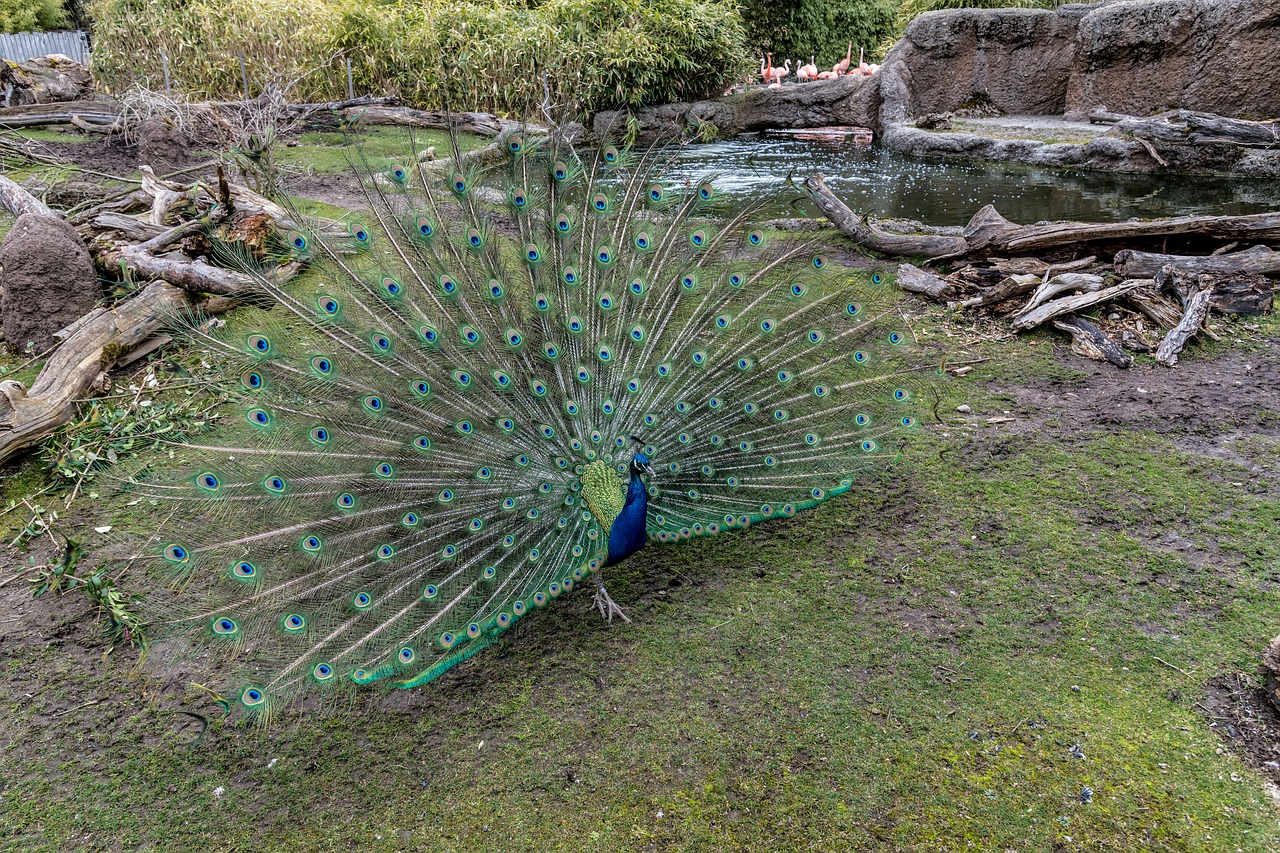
(1153, 302)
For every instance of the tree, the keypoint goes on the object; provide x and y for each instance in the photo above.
(21, 16)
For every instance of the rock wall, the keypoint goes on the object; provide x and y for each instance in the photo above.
(1131, 56)
(1014, 61)
(848, 100)
(1143, 56)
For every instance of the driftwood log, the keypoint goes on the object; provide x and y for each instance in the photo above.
(1256, 259)
(916, 280)
(107, 336)
(29, 414)
(1188, 127)
(42, 80)
(990, 233)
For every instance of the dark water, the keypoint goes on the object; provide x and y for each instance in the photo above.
(944, 192)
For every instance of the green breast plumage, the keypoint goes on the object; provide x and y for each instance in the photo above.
(603, 493)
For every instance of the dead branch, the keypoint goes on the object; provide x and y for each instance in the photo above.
(28, 415)
(18, 201)
(1091, 342)
(864, 232)
(1066, 305)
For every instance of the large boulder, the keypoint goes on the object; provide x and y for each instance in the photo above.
(1011, 61)
(1143, 56)
(48, 281)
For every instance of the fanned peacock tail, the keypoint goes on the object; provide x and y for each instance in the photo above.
(435, 428)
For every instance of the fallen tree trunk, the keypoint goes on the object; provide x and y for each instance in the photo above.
(1256, 259)
(871, 236)
(1189, 127)
(991, 233)
(481, 124)
(42, 80)
(28, 415)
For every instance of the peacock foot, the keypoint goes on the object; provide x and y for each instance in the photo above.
(602, 602)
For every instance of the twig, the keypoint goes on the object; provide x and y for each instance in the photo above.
(1171, 666)
(88, 704)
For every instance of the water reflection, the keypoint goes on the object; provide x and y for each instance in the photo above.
(943, 192)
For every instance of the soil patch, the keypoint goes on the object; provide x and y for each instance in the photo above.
(1237, 709)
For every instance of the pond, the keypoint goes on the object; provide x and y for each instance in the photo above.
(872, 179)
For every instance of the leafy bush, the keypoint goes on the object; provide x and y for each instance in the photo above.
(466, 54)
(24, 16)
(798, 29)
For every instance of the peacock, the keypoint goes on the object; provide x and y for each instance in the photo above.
(505, 377)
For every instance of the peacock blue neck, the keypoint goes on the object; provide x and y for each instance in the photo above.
(628, 532)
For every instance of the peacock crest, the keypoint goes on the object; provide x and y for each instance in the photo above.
(503, 379)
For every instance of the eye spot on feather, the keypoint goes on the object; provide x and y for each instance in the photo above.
(252, 697)
(259, 344)
(258, 417)
(251, 380)
(346, 500)
(225, 626)
(322, 672)
(244, 570)
(293, 623)
(311, 544)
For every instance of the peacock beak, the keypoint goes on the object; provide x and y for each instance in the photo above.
(648, 469)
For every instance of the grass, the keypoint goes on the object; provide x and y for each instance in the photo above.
(988, 647)
(908, 666)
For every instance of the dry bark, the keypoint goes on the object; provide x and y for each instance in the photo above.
(28, 415)
(18, 201)
(916, 280)
(1256, 259)
(1066, 305)
(1091, 342)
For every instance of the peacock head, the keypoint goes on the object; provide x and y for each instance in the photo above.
(640, 465)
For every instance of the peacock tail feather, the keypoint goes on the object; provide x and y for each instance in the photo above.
(433, 429)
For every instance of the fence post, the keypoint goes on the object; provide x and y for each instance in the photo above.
(164, 61)
(351, 89)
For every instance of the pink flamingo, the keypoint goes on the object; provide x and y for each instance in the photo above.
(779, 73)
(843, 65)
(766, 68)
(807, 72)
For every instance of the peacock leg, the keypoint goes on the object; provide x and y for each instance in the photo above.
(602, 602)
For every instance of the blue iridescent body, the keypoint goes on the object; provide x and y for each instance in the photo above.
(628, 532)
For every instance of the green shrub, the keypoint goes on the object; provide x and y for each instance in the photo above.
(24, 16)
(798, 29)
(465, 54)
